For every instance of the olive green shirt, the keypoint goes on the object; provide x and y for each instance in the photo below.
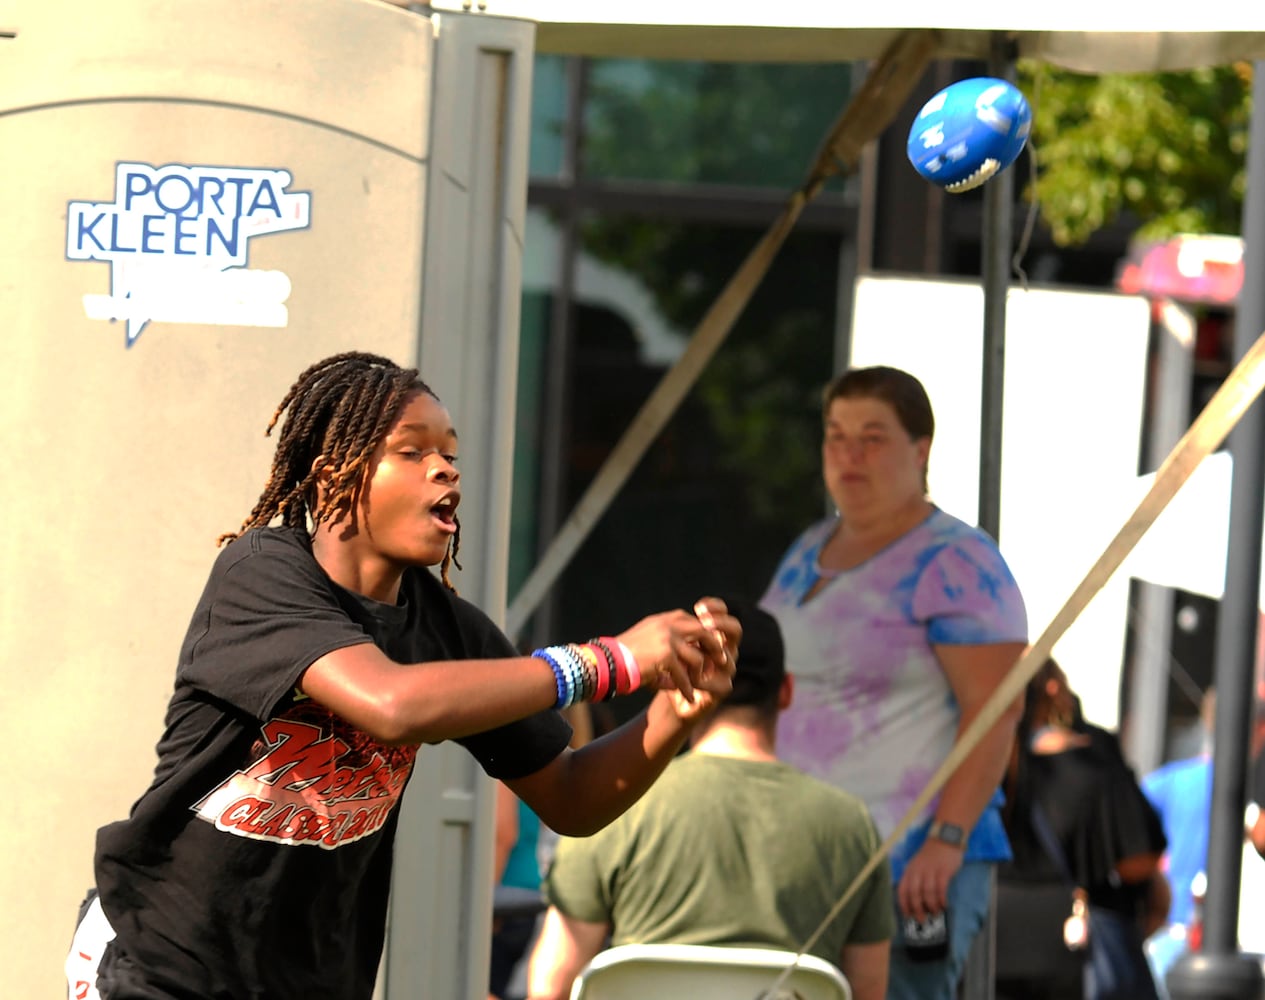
(728, 851)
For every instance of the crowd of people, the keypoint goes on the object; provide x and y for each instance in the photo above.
(786, 740)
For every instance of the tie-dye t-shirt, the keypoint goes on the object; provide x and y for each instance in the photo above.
(873, 712)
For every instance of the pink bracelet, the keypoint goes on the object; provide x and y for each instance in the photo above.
(634, 671)
(626, 681)
(614, 673)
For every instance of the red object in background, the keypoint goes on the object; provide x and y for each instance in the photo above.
(1195, 935)
(1212, 336)
(1207, 270)
(1195, 929)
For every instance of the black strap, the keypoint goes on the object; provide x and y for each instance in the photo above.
(1050, 842)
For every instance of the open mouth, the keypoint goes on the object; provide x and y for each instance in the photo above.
(445, 511)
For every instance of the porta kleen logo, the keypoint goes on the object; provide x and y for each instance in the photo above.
(176, 238)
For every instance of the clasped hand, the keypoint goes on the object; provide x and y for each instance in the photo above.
(691, 655)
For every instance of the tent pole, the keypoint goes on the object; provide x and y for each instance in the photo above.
(1220, 970)
(997, 238)
(1173, 333)
(999, 206)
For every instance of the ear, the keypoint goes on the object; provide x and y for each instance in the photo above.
(923, 446)
(324, 470)
(786, 693)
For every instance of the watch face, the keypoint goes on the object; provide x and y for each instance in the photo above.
(950, 833)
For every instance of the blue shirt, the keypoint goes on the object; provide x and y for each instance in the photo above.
(522, 868)
(1182, 794)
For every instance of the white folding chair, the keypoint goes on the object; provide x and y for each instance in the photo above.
(704, 972)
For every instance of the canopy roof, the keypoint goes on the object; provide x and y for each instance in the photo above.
(1085, 35)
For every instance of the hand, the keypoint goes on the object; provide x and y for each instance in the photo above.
(676, 651)
(924, 888)
(721, 656)
(714, 679)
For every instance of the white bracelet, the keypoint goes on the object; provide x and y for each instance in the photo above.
(630, 661)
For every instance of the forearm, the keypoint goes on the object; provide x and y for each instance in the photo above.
(427, 702)
(506, 829)
(971, 787)
(443, 700)
(591, 786)
(865, 967)
(565, 946)
(462, 698)
(1159, 898)
(550, 976)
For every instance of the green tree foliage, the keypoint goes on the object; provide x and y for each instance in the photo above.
(760, 392)
(745, 125)
(1167, 149)
(751, 124)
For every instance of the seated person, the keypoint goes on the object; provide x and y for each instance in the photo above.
(730, 847)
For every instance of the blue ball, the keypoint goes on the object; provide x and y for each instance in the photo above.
(968, 132)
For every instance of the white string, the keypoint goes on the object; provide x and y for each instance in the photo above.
(1030, 223)
(1034, 203)
(1218, 417)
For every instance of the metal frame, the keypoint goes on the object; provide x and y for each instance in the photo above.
(471, 291)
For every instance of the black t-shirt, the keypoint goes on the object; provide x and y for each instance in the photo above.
(1093, 805)
(258, 863)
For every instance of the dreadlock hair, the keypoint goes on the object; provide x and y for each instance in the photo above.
(339, 410)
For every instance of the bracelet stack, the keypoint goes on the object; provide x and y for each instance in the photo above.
(596, 670)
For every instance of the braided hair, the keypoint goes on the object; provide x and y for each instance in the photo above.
(339, 411)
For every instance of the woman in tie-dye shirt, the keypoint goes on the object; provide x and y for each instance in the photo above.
(899, 621)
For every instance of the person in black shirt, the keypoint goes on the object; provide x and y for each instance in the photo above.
(322, 653)
(1086, 842)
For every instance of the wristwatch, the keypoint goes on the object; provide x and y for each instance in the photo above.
(947, 833)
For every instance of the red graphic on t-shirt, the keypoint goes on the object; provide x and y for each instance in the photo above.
(317, 781)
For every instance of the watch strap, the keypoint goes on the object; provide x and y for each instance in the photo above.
(947, 833)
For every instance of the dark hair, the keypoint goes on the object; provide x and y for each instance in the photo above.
(898, 389)
(339, 411)
(1040, 707)
(761, 657)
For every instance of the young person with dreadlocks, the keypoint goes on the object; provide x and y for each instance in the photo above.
(321, 654)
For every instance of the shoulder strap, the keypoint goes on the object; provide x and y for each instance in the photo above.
(1050, 842)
